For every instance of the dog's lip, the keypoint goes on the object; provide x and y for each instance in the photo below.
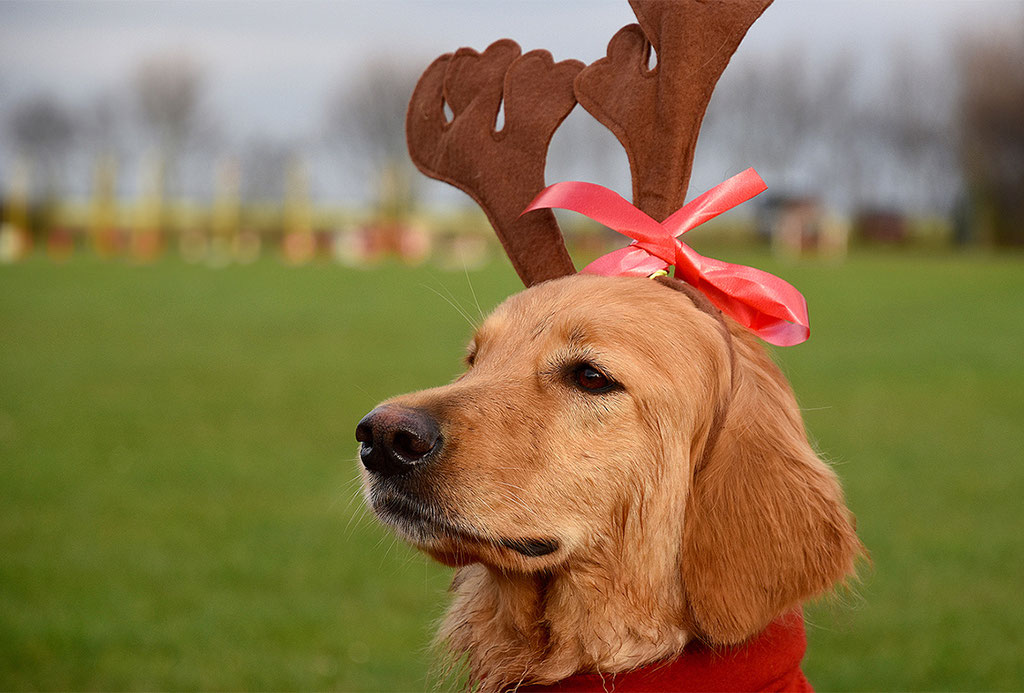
(531, 548)
(399, 509)
(428, 522)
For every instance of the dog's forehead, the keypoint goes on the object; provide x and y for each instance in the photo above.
(586, 306)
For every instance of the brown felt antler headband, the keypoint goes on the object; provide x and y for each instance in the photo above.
(656, 114)
(503, 170)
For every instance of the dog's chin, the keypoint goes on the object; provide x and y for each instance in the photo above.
(449, 540)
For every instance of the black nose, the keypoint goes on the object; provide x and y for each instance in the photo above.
(397, 439)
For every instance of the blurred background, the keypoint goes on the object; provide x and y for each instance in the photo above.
(215, 256)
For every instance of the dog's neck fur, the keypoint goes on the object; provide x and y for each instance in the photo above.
(543, 628)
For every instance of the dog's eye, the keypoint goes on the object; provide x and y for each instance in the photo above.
(592, 380)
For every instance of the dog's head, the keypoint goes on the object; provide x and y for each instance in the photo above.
(617, 419)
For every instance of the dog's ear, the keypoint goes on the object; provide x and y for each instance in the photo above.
(766, 526)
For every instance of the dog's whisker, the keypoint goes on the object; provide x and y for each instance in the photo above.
(453, 304)
(478, 524)
(410, 558)
(520, 503)
(469, 281)
(387, 551)
(357, 515)
(351, 514)
(353, 496)
(515, 498)
(451, 295)
(352, 487)
(355, 520)
(505, 483)
(343, 489)
(383, 538)
(353, 493)
(362, 389)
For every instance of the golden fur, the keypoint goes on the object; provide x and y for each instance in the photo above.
(685, 504)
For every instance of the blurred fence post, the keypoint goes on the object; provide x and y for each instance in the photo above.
(15, 239)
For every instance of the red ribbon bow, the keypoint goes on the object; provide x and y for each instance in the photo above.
(763, 303)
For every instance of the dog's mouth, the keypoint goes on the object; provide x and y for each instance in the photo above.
(531, 548)
(431, 528)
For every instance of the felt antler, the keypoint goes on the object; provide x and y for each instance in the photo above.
(502, 170)
(657, 113)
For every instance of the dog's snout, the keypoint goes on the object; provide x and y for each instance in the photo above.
(397, 439)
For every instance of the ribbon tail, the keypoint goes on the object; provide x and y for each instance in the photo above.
(767, 305)
(785, 334)
(605, 207)
(721, 198)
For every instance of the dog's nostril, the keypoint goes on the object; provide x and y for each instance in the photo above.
(364, 434)
(413, 446)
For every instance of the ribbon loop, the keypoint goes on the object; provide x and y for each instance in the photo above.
(763, 303)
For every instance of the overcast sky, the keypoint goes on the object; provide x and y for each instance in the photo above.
(269, 64)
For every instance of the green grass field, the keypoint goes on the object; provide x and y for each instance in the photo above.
(179, 511)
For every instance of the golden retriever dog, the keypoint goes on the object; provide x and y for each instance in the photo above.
(620, 470)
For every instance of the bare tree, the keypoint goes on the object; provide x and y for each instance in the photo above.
(992, 131)
(264, 165)
(910, 124)
(366, 129)
(169, 89)
(43, 131)
(766, 113)
(833, 130)
(104, 127)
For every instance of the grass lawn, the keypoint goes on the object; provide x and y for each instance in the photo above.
(179, 511)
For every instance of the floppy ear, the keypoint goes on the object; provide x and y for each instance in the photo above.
(765, 526)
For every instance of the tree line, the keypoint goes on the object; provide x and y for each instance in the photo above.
(922, 137)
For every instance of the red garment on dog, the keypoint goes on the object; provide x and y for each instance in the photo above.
(768, 662)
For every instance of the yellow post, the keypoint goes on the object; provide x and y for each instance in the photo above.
(298, 244)
(103, 229)
(226, 215)
(15, 241)
(146, 236)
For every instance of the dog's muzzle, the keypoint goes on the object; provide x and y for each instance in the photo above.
(396, 440)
